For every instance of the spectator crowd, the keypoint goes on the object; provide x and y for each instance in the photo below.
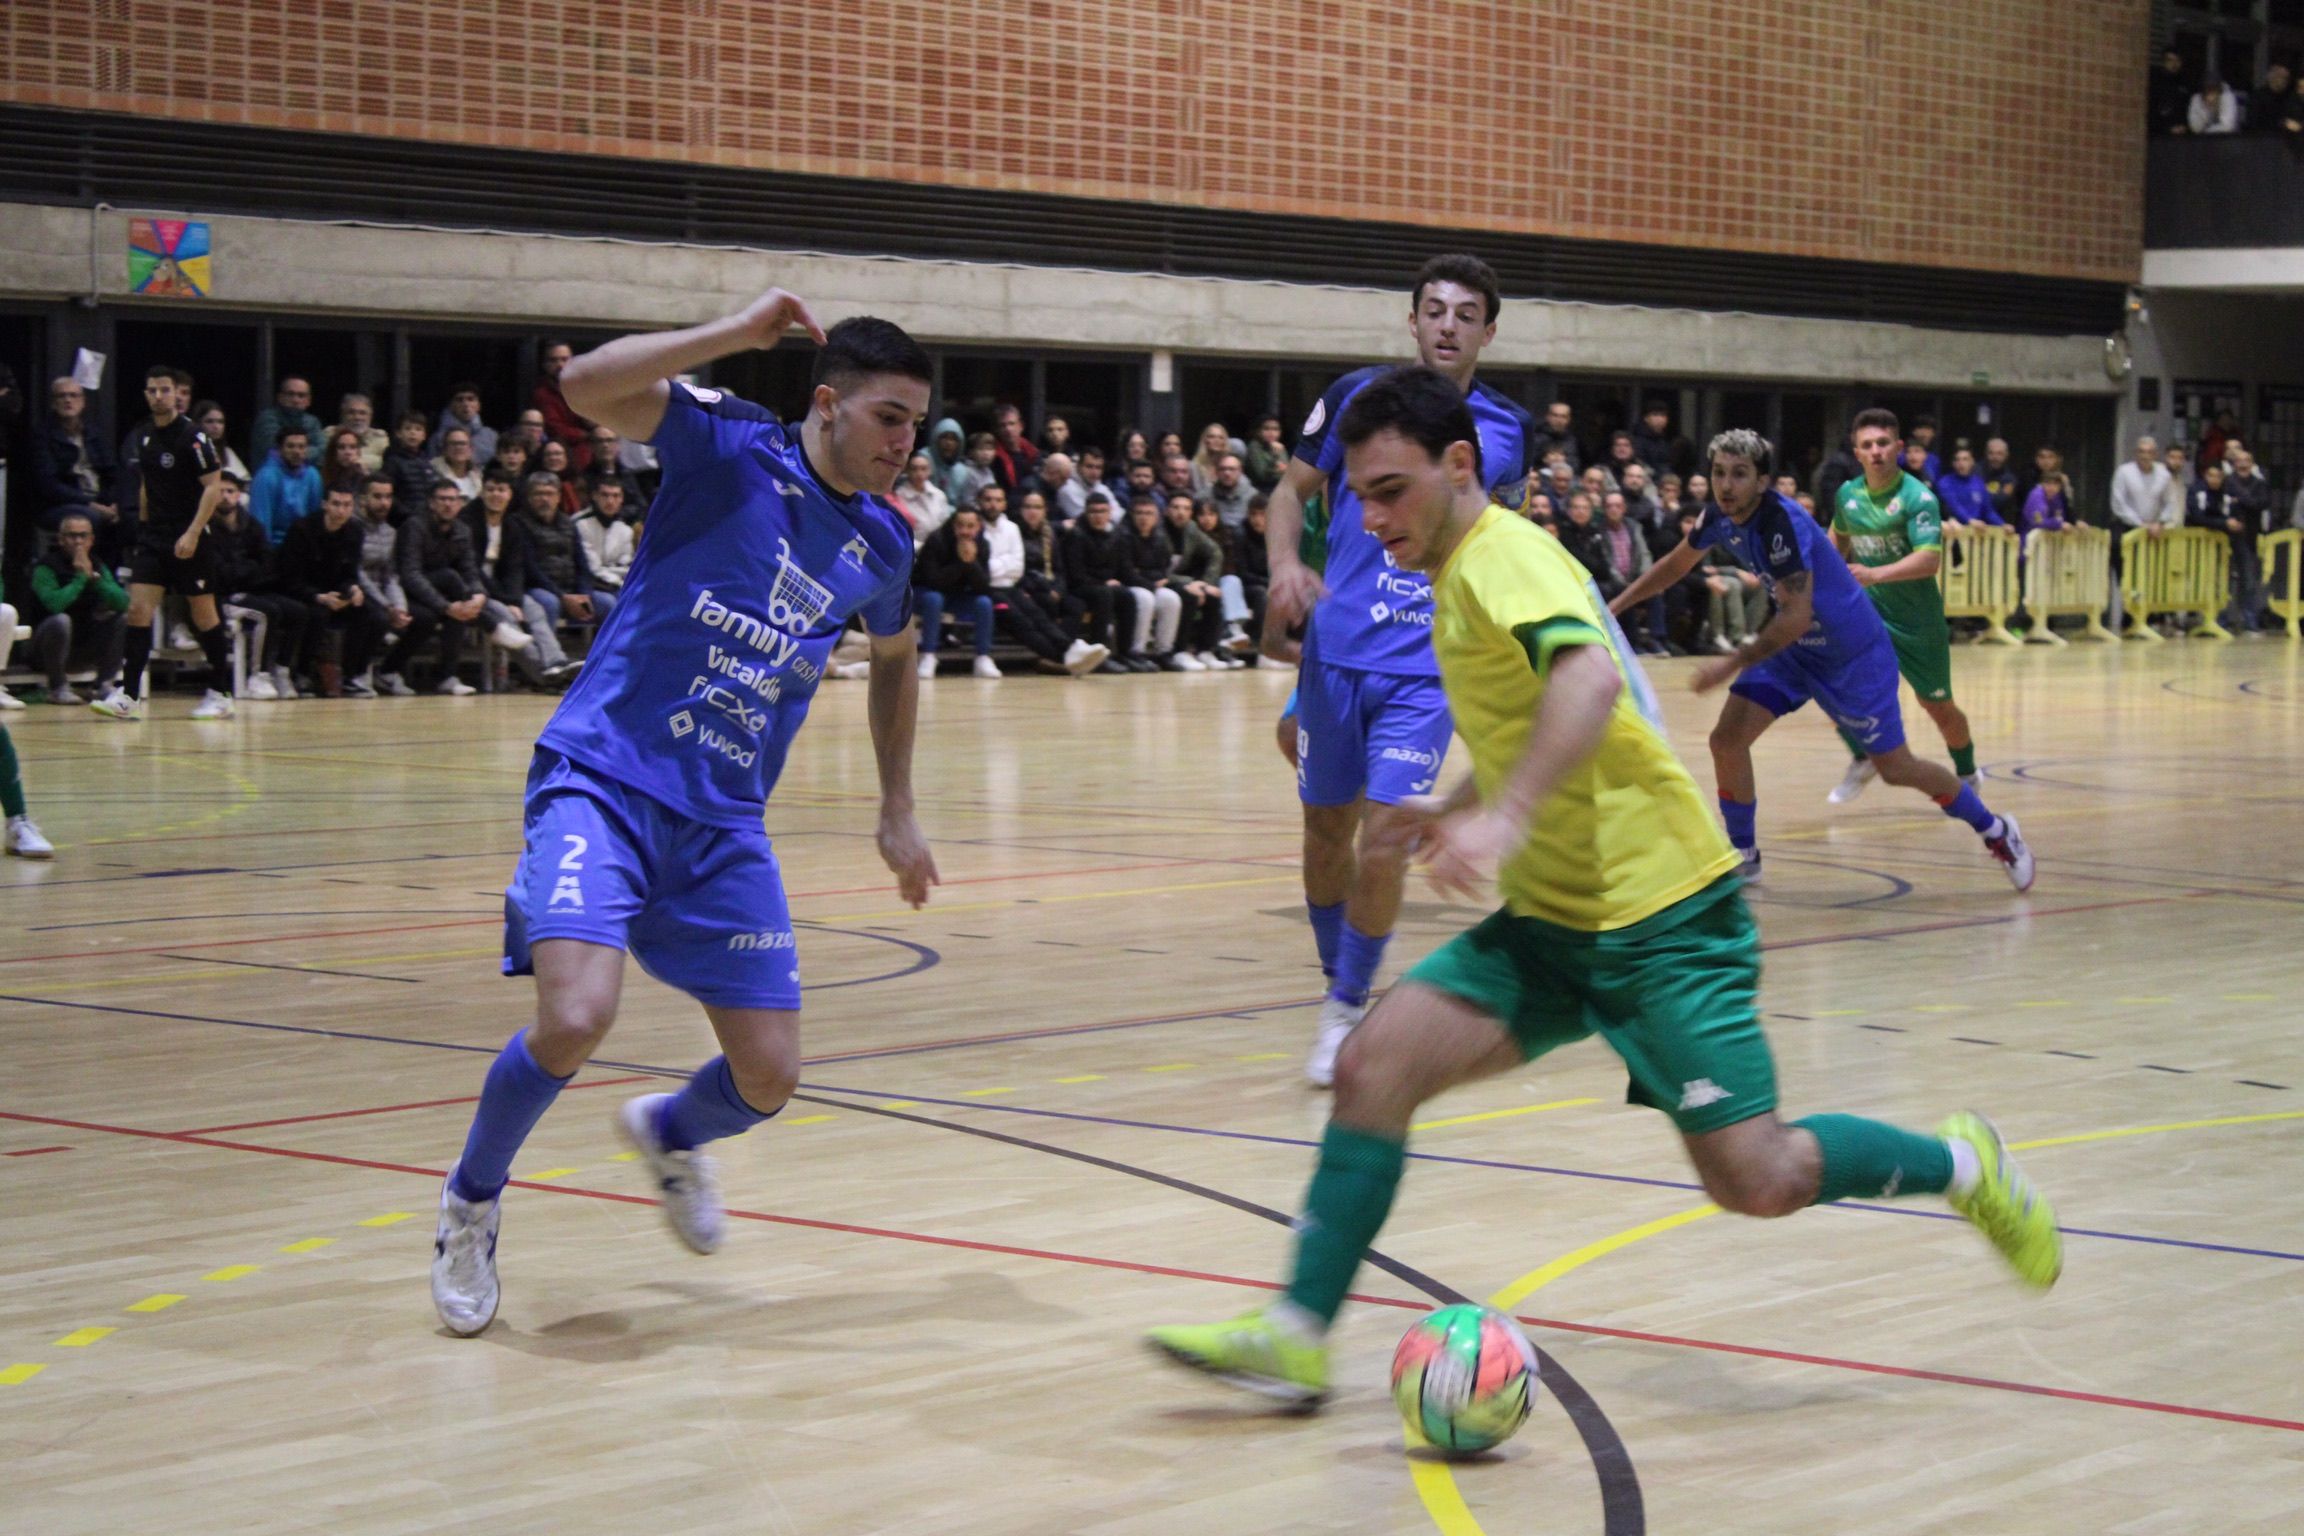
(2178, 102)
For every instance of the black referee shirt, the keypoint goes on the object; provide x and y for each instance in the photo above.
(172, 462)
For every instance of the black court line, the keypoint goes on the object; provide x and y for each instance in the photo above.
(1622, 1506)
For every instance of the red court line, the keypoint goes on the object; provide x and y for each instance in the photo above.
(1914, 1373)
(385, 1109)
(34, 1151)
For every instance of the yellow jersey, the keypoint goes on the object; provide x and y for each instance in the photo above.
(1627, 833)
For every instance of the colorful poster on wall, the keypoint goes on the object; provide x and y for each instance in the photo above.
(168, 258)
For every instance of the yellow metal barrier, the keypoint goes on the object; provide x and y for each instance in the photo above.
(2286, 595)
(2186, 570)
(1979, 577)
(2068, 574)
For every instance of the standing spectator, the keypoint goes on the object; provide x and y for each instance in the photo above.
(1230, 491)
(953, 570)
(1557, 435)
(2250, 515)
(208, 416)
(977, 471)
(1839, 467)
(463, 410)
(454, 463)
(1149, 558)
(2274, 106)
(1013, 456)
(2218, 438)
(1095, 577)
(286, 488)
(319, 567)
(2205, 504)
(244, 575)
(440, 571)
(410, 472)
(947, 452)
(1197, 579)
(561, 424)
(1924, 434)
(291, 407)
(80, 619)
(1963, 494)
(2001, 482)
(2139, 495)
(609, 533)
(1655, 444)
(72, 468)
(2214, 110)
(924, 503)
(1267, 455)
(2173, 459)
(358, 412)
(342, 464)
(404, 629)
(2169, 97)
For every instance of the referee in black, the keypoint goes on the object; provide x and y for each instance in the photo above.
(182, 479)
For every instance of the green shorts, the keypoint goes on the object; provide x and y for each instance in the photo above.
(1674, 995)
(1925, 660)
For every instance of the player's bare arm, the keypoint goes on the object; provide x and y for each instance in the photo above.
(1295, 585)
(894, 708)
(624, 384)
(1795, 612)
(1919, 565)
(1657, 577)
(211, 493)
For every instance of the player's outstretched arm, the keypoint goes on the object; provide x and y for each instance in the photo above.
(623, 384)
(1464, 846)
(1295, 586)
(1658, 577)
(894, 706)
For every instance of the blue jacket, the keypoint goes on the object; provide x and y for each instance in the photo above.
(278, 498)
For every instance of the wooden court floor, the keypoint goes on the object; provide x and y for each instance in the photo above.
(243, 1013)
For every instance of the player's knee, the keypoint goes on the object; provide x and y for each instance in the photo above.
(575, 1017)
(765, 1083)
(1763, 1189)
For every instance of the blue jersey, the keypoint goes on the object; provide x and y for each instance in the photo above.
(700, 677)
(1780, 540)
(1377, 617)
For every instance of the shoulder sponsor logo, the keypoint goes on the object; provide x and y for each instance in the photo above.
(786, 488)
(702, 393)
(1779, 548)
(1319, 417)
(856, 551)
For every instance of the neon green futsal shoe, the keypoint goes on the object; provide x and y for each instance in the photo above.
(2004, 1205)
(1251, 1352)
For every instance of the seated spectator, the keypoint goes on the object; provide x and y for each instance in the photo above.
(1656, 445)
(1624, 545)
(1055, 436)
(1149, 558)
(1622, 455)
(244, 575)
(1581, 538)
(1243, 610)
(1056, 471)
(531, 426)
(1196, 578)
(72, 471)
(1141, 479)
(514, 456)
(1596, 482)
(953, 570)
(1541, 511)
(1034, 611)
(440, 571)
(553, 459)
(947, 450)
(463, 410)
(1559, 482)
(358, 412)
(1557, 436)
(454, 463)
(975, 472)
(2168, 96)
(318, 567)
(404, 629)
(409, 470)
(1736, 598)
(924, 503)
(286, 488)
(561, 576)
(1044, 583)
(1640, 500)
(1072, 499)
(500, 541)
(1135, 448)
(1230, 491)
(559, 421)
(1169, 446)
(291, 407)
(342, 464)
(1964, 495)
(1014, 459)
(610, 533)
(1215, 442)
(1920, 464)
(1174, 479)
(1095, 576)
(608, 463)
(2214, 110)
(1268, 455)
(79, 620)
(1788, 487)
(208, 416)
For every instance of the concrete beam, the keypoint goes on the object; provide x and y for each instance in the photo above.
(392, 272)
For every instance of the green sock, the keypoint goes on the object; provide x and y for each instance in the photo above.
(1964, 760)
(1873, 1159)
(1351, 1194)
(11, 784)
(1855, 747)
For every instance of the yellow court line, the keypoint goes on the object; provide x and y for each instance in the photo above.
(1085, 1077)
(16, 1375)
(250, 794)
(811, 1119)
(81, 1338)
(389, 1219)
(159, 1303)
(231, 1272)
(982, 1093)
(1443, 1500)
(309, 1245)
(544, 1176)
(1500, 1114)
(2154, 1130)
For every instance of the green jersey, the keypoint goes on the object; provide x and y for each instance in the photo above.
(1882, 530)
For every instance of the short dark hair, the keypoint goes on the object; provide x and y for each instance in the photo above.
(181, 377)
(1877, 416)
(549, 345)
(159, 371)
(1419, 403)
(384, 480)
(863, 345)
(292, 430)
(1143, 501)
(497, 473)
(1923, 421)
(201, 408)
(449, 486)
(417, 417)
(1465, 271)
(339, 489)
(465, 387)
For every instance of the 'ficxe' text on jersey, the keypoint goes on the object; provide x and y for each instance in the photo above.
(1780, 540)
(704, 671)
(1377, 616)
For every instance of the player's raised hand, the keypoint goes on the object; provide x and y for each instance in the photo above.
(769, 316)
(904, 849)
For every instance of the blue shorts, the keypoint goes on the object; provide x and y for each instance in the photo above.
(700, 907)
(1368, 733)
(1859, 693)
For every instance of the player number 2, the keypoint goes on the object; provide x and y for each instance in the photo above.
(574, 857)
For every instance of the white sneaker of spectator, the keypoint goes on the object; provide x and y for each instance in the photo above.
(284, 683)
(927, 666)
(1216, 663)
(214, 706)
(25, 841)
(260, 687)
(987, 668)
(116, 705)
(64, 695)
(180, 638)
(1081, 658)
(9, 700)
(852, 669)
(393, 686)
(455, 687)
(511, 636)
(1236, 639)
(359, 688)
(1184, 661)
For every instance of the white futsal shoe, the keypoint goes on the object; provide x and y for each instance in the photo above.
(689, 1182)
(1860, 773)
(2011, 853)
(1337, 1019)
(214, 706)
(464, 1289)
(25, 842)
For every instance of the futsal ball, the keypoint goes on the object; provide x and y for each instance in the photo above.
(1464, 1378)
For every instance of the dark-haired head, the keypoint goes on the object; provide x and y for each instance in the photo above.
(871, 394)
(864, 345)
(1412, 454)
(1465, 271)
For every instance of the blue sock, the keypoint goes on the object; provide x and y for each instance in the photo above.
(512, 1100)
(1327, 929)
(1357, 956)
(1738, 815)
(1969, 808)
(708, 1108)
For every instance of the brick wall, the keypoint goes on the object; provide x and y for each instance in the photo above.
(1998, 134)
